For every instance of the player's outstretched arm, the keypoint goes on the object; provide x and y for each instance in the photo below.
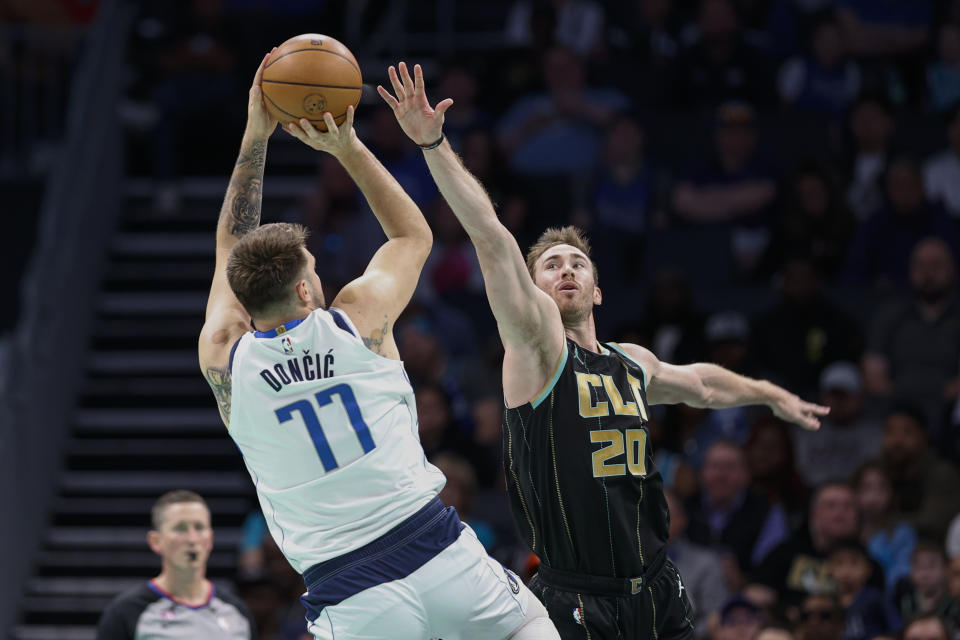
(375, 300)
(526, 317)
(226, 319)
(711, 386)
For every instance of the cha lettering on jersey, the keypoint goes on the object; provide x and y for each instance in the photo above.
(303, 369)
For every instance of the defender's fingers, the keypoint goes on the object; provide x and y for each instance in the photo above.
(395, 81)
(387, 97)
(407, 80)
(819, 410)
(418, 86)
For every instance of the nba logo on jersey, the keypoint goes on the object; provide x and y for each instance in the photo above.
(287, 345)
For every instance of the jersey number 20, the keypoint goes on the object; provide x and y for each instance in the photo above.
(309, 415)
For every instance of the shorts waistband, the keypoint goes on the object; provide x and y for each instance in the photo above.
(603, 585)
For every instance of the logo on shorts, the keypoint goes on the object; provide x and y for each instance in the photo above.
(315, 103)
(512, 579)
(287, 346)
(578, 615)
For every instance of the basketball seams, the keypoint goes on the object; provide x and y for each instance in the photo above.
(339, 55)
(312, 84)
(297, 118)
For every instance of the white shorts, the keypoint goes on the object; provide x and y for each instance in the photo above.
(459, 594)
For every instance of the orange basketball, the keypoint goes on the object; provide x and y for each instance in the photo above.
(308, 75)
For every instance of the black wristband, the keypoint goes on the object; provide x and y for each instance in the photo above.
(432, 145)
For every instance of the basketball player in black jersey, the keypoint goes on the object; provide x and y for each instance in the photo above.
(584, 491)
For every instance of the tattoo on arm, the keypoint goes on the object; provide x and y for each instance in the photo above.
(222, 384)
(375, 341)
(244, 194)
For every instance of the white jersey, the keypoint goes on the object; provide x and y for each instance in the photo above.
(328, 431)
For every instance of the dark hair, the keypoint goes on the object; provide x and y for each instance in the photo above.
(553, 236)
(870, 465)
(928, 545)
(923, 618)
(911, 410)
(264, 263)
(177, 496)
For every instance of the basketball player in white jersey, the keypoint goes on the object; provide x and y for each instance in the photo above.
(318, 402)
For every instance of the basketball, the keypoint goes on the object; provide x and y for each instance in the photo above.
(308, 75)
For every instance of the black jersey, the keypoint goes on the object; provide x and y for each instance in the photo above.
(583, 488)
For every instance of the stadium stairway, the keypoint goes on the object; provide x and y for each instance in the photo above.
(146, 422)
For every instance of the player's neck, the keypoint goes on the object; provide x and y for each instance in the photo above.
(189, 586)
(269, 323)
(584, 333)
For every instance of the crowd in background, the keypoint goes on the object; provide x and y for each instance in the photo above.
(771, 185)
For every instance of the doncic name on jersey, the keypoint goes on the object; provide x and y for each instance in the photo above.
(307, 367)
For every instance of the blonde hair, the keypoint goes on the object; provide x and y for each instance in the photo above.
(553, 236)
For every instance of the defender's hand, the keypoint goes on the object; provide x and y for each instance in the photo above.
(422, 123)
(792, 409)
(335, 140)
(259, 121)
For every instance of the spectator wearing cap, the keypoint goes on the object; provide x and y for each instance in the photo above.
(804, 331)
(854, 574)
(700, 566)
(926, 488)
(740, 619)
(913, 345)
(847, 436)
(890, 541)
(726, 514)
(820, 617)
(733, 189)
(941, 173)
(797, 567)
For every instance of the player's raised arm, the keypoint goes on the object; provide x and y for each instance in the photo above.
(226, 319)
(375, 300)
(528, 319)
(711, 386)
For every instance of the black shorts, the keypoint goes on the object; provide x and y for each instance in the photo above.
(654, 606)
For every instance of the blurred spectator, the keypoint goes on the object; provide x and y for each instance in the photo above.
(672, 325)
(775, 633)
(575, 24)
(459, 492)
(452, 267)
(881, 249)
(457, 82)
(943, 75)
(621, 202)
(890, 541)
(721, 65)
(196, 58)
(941, 174)
(440, 433)
(953, 578)
(727, 515)
(821, 617)
(925, 592)
(796, 567)
(740, 619)
(399, 156)
(770, 458)
(871, 126)
(815, 221)
(926, 489)
(644, 41)
(865, 614)
(427, 362)
(884, 27)
(846, 437)
(734, 186)
(263, 596)
(929, 627)
(701, 568)
(804, 331)
(913, 349)
(557, 131)
(824, 81)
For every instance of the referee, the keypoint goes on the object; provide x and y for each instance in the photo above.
(179, 603)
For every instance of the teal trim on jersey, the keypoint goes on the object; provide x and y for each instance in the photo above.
(553, 381)
(620, 350)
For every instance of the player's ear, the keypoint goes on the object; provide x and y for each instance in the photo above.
(303, 292)
(597, 296)
(153, 541)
